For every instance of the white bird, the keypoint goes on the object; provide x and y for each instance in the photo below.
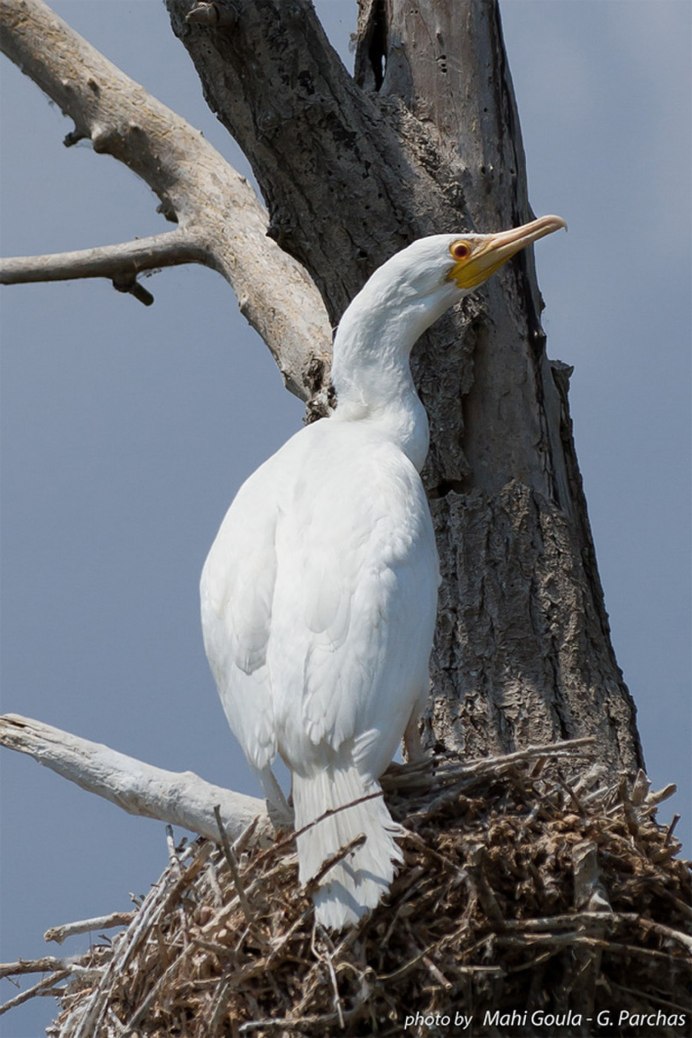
(319, 593)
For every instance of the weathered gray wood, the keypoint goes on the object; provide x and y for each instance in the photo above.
(426, 139)
(220, 219)
(333, 167)
(181, 798)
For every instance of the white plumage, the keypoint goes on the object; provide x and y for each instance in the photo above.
(319, 592)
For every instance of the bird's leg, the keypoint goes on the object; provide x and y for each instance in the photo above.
(280, 814)
(413, 747)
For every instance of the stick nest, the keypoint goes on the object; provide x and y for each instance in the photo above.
(522, 889)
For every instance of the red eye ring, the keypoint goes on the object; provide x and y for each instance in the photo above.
(460, 250)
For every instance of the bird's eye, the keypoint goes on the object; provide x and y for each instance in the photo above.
(460, 250)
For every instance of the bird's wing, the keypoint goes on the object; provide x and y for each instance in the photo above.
(319, 598)
(354, 602)
(236, 592)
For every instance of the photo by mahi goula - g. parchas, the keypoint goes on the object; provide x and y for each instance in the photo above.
(319, 593)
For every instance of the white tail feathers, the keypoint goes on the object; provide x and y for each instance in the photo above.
(349, 889)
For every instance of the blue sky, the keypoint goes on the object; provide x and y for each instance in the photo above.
(127, 430)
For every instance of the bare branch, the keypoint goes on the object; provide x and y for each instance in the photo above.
(181, 798)
(197, 187)
(42, 965)
(589, 918)
(43, 986)
(233, 866)
(121, 263)
(101, 922)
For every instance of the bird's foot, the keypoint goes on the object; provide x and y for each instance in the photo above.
(415, 752)
(280, 813)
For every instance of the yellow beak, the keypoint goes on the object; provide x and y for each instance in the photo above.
(489, 252)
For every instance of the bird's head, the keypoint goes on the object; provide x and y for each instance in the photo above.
(445, 266)
(474, 257)
(411, 290)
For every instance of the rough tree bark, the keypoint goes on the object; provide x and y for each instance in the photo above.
(424, 138)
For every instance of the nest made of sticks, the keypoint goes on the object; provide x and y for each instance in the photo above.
(522, 892)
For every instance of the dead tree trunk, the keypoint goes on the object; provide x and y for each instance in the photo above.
(427, 139)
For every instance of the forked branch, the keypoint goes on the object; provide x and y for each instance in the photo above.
(220, 218)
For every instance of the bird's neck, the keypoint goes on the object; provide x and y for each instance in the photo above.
(371, 374)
